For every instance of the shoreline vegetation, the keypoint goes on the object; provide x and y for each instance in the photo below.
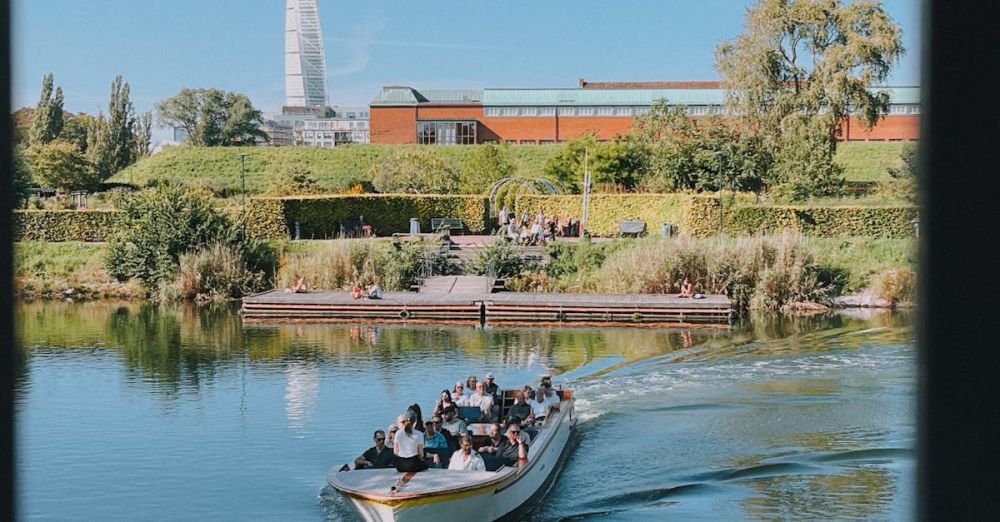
(789, 273)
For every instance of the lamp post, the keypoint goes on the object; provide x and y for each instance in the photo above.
(243, 189)
(720, 154)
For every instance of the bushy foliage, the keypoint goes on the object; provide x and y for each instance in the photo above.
(572, 259)
(60, 164)
(213, 118)
(158, 226)
(617, 162)
(217, 271)
(803, 161)
(902, 182)
(500, 259)
(414, 171)
(294, 180)
(65, 225)
(488, 163)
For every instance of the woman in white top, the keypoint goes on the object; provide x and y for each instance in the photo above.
(408, 446)
(457, 394)
(539, 406)
(465, 459)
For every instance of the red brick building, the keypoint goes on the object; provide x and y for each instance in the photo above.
(402, 114)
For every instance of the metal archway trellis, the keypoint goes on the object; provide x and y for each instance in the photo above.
(507, 189)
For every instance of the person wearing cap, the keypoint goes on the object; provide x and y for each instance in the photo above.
(452, 423)
(435, 444)
(408, 446)
(466, 459)
(377, 456)
(491, 387)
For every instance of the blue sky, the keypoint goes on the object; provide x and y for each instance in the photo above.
(161, 46)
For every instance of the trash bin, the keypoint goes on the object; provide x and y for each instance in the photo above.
(414, 225)
(665, 228)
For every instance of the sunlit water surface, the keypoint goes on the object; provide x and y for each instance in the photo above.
(138, 412)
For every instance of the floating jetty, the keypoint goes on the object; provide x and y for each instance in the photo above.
(457, 298)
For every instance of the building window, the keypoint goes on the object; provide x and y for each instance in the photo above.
(639, 111)
(491, 111)
(605, 111)
(364, 115)
(567, 111)
(529, 111)
(527, 142)
(508, 111)
(623, 111)
(698, 110)
(904, 109)
(446, 132)
(547, 111)
(546, 142)
(308, 134)
(584, 111)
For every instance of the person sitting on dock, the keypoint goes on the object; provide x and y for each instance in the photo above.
(374, 291)
(356, 291)
(377, 456)
(299, 286)
(513, 448)
(512, 231)
(519, 410)
(466, 459)
(436, 445)
(408, 447)
(483, 401)
(687, 289)
(452, 423)
(539, 407)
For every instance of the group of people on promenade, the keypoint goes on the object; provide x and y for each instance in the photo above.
(445, 441)
(537, 230)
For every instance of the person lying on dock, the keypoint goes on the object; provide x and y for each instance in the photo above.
(435, 445)
(408, 446)
(519, 410)
(377, 456)
(540, 407)
(356, 291)
(687, 289)
(466, 459)
(513, 448)
(452, 423)
(299, 286)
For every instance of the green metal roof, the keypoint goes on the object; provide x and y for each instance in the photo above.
(401, 95)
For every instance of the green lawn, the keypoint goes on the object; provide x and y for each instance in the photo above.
(867, 160)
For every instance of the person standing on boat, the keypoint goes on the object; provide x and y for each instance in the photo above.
(408, 446)
(513, 449)
(465, 459)
(452, 423)
(378, 456)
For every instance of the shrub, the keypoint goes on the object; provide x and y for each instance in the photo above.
(217, 271)
(294, 180)
(486, 164)
(65, 225)
(414, 171)
(500, 259)
(60, 164)
(896, 285)
(336, 265)
(607, 211)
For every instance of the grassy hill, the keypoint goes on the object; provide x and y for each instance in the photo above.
(218, 168)
(336, 169)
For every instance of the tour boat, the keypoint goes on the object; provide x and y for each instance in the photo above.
(441, 495)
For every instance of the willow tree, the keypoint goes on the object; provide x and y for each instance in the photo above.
(802, 67)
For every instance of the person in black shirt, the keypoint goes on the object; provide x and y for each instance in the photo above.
(378, 456)
(520, 409)
(513, 448)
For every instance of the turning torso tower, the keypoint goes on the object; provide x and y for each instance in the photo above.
(305, 60)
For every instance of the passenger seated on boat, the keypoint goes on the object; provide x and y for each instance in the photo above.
(491, 387)
(378, 456)
(525, 432)
(519, 410)
(539, 408)
(394, 427)
(356, 291)
(435, 445)
(457, 394)
(492, 444)
(392, 435)
(452, 423)
(442, 403)
(513, 448)
(550, 395)
(408, 446)
(470, 383)
(466, 459)
(418, 424)
(483, 401)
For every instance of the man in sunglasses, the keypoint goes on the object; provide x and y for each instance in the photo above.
(378, 456)
(513, 449)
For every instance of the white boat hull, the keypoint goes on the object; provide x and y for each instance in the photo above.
(508, 499)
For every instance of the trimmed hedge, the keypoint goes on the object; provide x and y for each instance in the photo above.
(65, 225)
(320, 216)
(701, 219)
(607, 211)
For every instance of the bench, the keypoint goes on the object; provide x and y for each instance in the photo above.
(452, 224)
(634, 227)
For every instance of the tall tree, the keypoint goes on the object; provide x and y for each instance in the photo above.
(812, 57)
(48, 117)
(120, 125)
(99, 153)
(143, 132)
(212, 117)
(60, 164)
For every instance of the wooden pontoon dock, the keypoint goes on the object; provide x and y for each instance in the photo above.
(471, 299)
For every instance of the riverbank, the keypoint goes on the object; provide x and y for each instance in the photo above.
(766, 273)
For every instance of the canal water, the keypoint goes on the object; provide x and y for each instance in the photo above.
(131, 411)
